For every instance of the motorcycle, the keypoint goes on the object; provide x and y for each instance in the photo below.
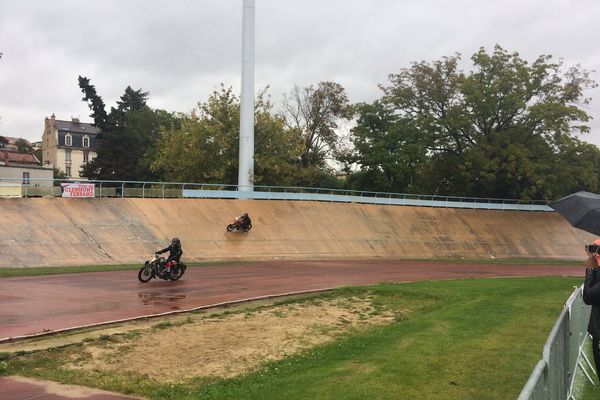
(237, 226)
(156, 269)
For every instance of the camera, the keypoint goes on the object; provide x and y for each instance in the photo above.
(592, 248)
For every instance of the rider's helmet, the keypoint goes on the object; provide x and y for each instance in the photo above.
(176, 242)
(245, 215)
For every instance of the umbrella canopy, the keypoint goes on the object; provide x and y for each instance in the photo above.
(581, 209)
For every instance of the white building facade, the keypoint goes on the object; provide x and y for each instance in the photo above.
(22, 173)
(68, 145)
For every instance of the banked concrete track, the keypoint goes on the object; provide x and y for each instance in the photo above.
(57, 231)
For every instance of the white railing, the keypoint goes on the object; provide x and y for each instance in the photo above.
(36, 187)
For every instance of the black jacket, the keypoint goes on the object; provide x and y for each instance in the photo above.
(175, 252)
(591, 296)
(246, 221)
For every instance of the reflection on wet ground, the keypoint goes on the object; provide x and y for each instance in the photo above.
(161, 299)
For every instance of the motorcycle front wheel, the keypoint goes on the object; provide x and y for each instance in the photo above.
(230, 227)
(145, 273)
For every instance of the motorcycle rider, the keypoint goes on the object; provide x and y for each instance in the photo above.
(175, 253)
(244, 220)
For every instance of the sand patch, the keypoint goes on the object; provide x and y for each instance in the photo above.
(231, 344)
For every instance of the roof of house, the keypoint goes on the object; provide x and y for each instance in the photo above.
(18, 158)
(13, 140)
(76, 126)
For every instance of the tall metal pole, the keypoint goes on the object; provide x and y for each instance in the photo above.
(246, 161)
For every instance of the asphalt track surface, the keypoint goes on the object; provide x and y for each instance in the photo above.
(38, 305)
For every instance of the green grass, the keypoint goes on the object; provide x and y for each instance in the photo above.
(33, 271)
(589, 392)
(466, 339)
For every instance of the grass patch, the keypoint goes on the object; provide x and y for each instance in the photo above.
(589, 391)
(464, 339)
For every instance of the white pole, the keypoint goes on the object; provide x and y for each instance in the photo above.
(246, 161)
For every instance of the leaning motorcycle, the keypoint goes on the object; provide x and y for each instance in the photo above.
(156, 269)
(237, 226)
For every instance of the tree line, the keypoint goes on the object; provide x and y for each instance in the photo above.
(506, 128)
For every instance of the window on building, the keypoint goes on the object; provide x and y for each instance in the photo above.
(86, 141)
(86, 156)
(68, 170)
(68, 140)
(26, 178)
(68, 155)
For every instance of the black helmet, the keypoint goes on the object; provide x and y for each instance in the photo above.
(176, 242)
(245, 215)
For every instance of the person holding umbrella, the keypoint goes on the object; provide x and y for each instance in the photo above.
(591, 296)
(582, 211)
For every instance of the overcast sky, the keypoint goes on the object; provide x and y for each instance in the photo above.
(181, 50)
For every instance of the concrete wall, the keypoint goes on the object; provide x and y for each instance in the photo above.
(58, 231)
(16, 172)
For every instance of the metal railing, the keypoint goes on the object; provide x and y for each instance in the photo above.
(563, 358)
(147, 189)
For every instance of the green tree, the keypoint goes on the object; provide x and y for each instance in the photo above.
(576, 168)
(316, 113)
(58, 174)
(95, 103)
(498, 129)
(387, 149)
(277, 148)
(23, 146)
(204, 148)
(128, 135)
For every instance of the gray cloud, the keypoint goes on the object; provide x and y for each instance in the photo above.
(181, 50)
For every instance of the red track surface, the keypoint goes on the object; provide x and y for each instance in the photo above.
(40, 304)
(34, 305)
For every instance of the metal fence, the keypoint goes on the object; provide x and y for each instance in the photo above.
(33, 187)
(563, 358)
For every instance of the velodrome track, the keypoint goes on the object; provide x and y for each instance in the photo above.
(42, 304)
(56, 231)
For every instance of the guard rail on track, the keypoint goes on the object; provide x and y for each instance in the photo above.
(37, 187)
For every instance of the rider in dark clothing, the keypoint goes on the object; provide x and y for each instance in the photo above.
(245, 220)
(175, 253)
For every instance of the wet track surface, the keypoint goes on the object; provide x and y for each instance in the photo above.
(30, 389)
(35, 305)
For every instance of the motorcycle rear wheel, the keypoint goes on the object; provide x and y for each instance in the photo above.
(176, 273)
(145, 274)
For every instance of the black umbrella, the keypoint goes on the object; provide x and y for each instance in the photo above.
(581, 209)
